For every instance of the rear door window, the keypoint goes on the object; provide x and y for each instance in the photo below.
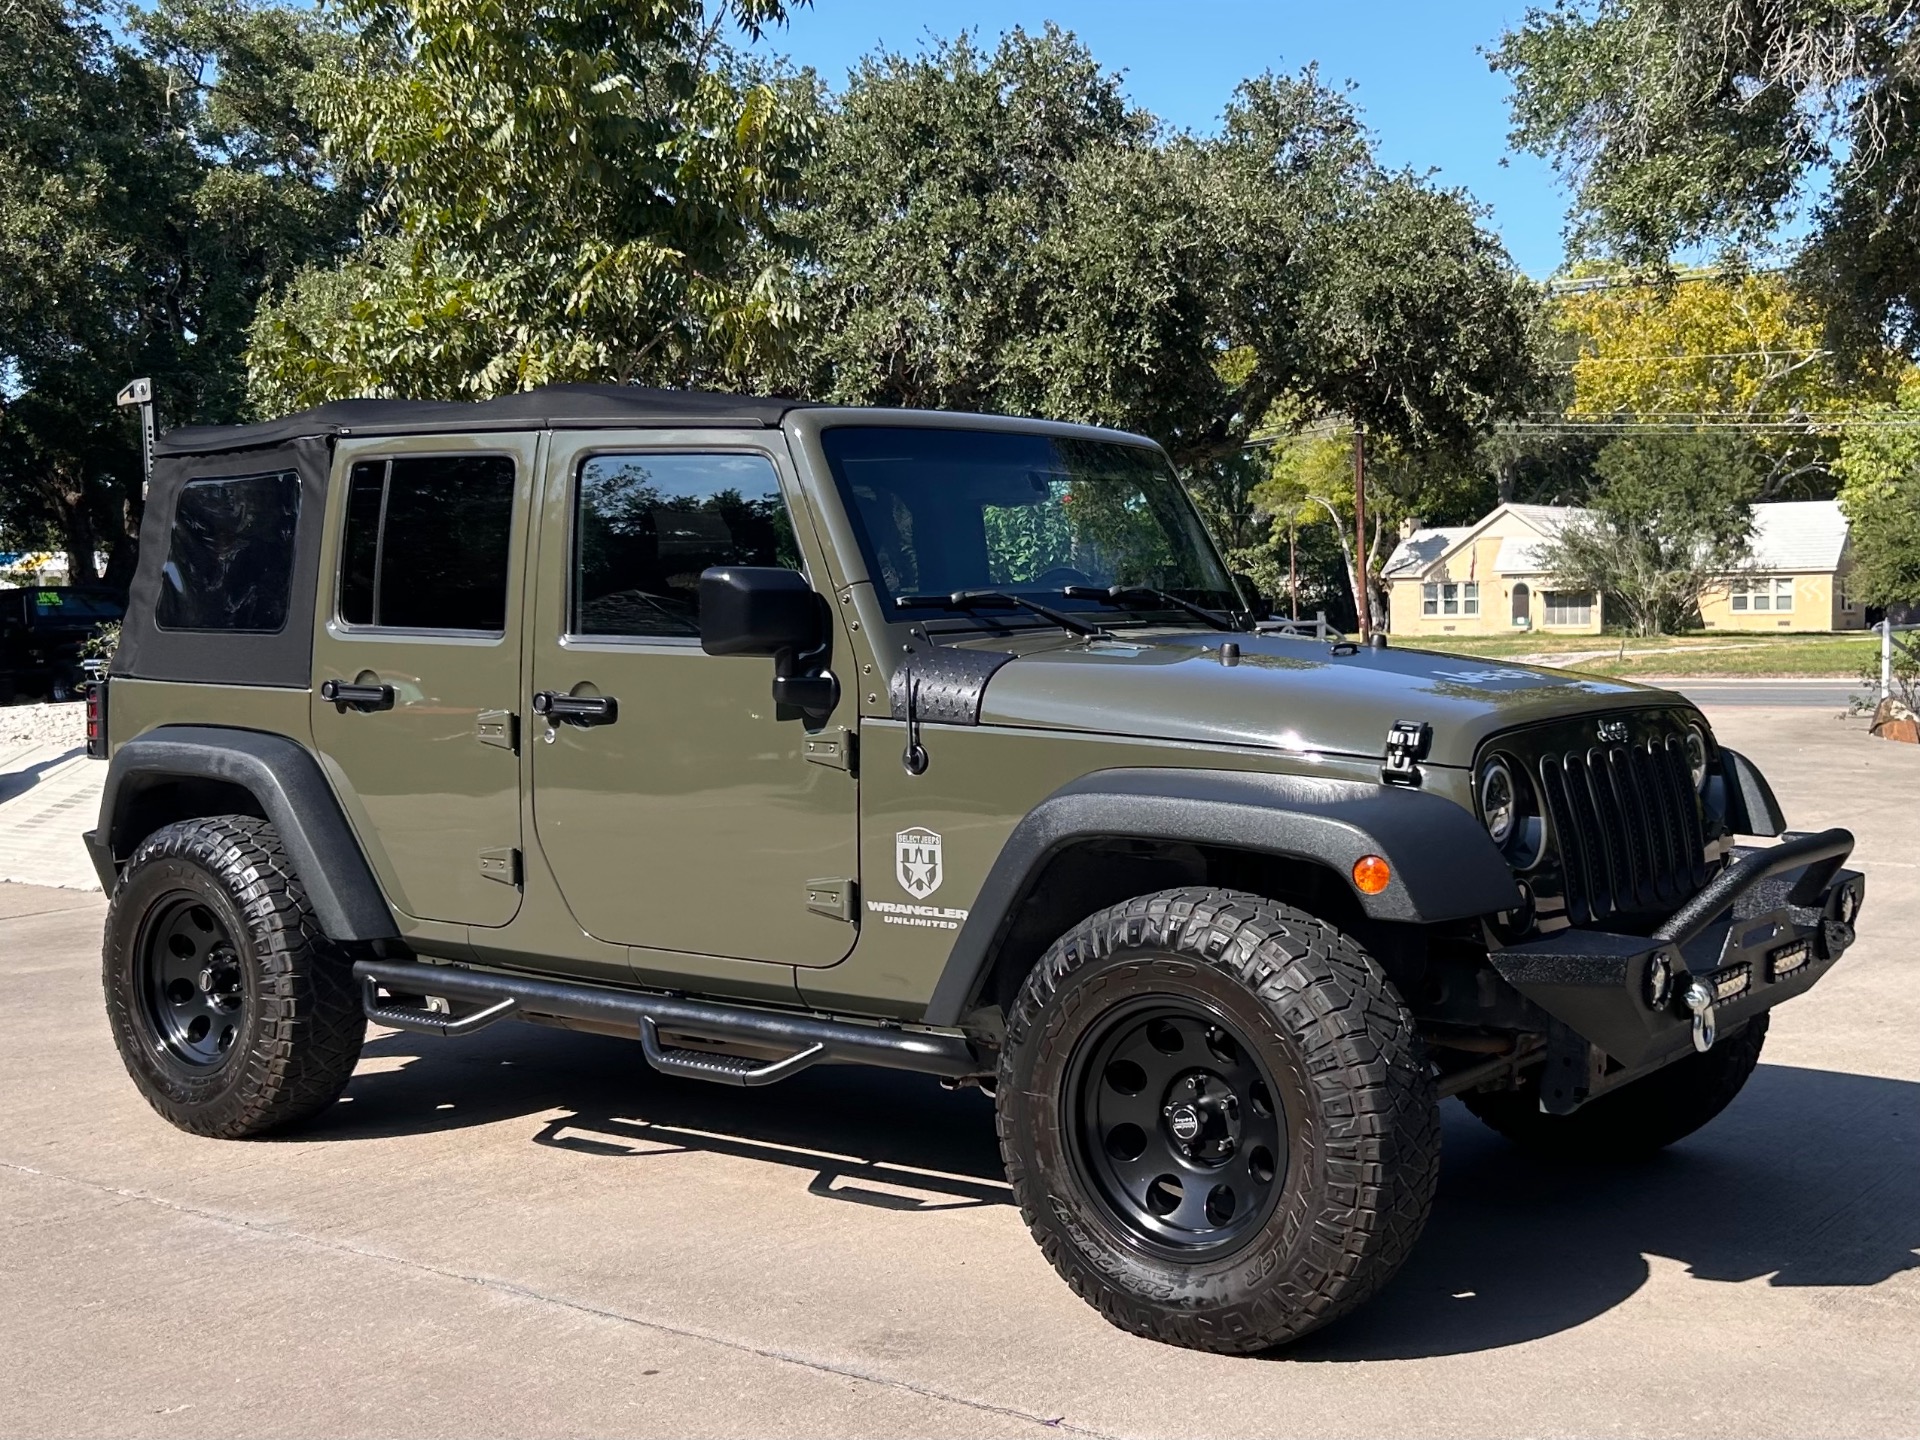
(426, 543)
(230, 556)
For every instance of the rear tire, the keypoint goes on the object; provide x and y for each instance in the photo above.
(233, 1013)
(1637, 1119)
(1287, 1141)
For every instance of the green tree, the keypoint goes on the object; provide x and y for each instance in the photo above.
(1671, 516)
(152, 186)
(1686, 122)
(567, 190)
(1001, 230)
(1879, 468)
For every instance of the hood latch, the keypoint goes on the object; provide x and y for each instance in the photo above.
(1408, 742)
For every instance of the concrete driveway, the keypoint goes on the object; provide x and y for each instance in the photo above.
(529, 1233)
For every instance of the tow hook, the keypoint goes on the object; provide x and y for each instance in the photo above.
(1699, 999)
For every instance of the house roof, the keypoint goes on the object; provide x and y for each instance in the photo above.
(1423, 547)
(1799, 535)
(1789, 535)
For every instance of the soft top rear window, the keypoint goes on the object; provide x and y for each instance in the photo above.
(230, 556)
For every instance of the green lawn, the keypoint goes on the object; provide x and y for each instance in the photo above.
(1722, 652)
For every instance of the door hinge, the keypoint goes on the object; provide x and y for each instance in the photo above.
(832, 748)
(498, 727)
(502, 865)
(832, 898)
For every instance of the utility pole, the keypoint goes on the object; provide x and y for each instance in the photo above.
(1362, 591)
(1293, 568)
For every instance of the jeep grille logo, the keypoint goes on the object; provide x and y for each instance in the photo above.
(1612, 732)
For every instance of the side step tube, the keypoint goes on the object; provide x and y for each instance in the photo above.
(811, 1039)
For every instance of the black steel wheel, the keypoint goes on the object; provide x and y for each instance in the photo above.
(194, 982)
(1176, 1129)
(1217, 1118)
(232, 1011)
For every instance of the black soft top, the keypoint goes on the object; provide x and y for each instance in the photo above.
(549, 407)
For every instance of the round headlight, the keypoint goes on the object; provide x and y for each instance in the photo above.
(1696, 744)
(1499, 801)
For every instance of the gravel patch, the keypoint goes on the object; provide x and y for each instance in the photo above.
(63, 724)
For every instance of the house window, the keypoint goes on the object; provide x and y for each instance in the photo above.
(1767, 593)
(1843, 587)
(1569, 607)
(1450, 599)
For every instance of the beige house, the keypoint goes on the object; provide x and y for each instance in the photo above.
(1488, 579)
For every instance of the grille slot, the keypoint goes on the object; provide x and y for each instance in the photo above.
(1628, 825)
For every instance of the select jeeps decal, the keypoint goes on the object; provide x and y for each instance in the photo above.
(916, 861)
(916, 865)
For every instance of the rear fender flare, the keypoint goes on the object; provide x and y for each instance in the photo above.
(286, 782)
(1444, 865)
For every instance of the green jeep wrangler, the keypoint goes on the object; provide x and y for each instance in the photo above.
(773, 735)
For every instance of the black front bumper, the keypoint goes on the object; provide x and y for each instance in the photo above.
(1763, 930)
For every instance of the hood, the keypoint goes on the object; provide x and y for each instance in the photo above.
(1285, 693)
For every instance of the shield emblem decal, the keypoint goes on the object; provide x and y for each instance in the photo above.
(916, 862)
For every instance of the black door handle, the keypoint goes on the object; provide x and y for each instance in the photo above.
(363, 698)
(582, 710)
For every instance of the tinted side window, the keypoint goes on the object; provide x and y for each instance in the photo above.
(230, 557)
(645, 526)
(426, 543)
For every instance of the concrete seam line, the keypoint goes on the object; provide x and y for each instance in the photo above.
(522, 1292)
(33, 914)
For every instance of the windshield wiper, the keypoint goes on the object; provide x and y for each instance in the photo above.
(971, 600)
(1118, 595)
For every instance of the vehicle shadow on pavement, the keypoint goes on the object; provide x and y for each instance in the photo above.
(1811, 1178)
(866, 1136)
(15, 783)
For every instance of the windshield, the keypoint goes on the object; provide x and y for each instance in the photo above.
(939, 511)
(72, 606)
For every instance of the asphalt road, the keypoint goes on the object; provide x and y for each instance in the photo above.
(1829, 695)
(526, 1232)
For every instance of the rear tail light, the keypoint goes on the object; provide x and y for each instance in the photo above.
(97, 719)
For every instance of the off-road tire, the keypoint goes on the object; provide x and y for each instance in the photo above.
(1361, 1136)
(1639, 1118)
(300, 1022)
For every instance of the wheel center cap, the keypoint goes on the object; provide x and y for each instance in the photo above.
(1202, 1114)
(1185, 1122)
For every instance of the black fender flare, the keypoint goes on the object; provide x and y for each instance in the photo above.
(1444, 865)
(287, 783)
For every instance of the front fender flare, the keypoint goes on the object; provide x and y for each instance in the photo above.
(1444, 865)
(286, 782)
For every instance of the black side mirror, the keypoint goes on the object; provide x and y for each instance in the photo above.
(1250, 593)
(757, 610)
(762, 610)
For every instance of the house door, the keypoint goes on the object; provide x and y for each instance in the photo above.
(1522, 605)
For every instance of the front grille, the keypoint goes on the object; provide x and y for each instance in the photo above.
(1628, 823)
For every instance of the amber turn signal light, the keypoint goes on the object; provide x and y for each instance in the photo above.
(1371, 873)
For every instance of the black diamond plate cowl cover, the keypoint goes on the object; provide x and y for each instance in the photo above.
(947, 685)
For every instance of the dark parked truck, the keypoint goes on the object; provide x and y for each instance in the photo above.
(771, 736)
(44, 630)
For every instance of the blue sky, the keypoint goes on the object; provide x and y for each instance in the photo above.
(1422, 82)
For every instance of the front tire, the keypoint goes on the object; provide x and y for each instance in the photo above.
(1639, 1118)
(233, 1013)
(1217, 1119)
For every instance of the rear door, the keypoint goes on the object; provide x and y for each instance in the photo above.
(425, 559)
(695, 817)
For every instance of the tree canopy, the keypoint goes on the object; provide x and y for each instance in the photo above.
(153, 185)
(565, 190)
(1683, 123)
(1001, 230)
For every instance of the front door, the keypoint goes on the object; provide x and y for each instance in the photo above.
(426, 554)
(687, 816)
